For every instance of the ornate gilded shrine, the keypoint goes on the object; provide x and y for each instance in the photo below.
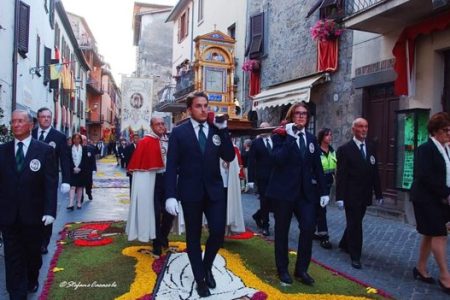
(214, 69)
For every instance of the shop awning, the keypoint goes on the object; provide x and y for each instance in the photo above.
(287, 93)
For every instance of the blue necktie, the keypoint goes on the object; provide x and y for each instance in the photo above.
(201, 138)
(302, 144)
(20, 158)
(362, 151)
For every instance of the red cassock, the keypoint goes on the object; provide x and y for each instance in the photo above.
(147, 156)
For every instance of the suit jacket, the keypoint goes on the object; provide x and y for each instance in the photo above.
(128, 152)
(260, 163)
(58, 141)
(26, 196)
(91, 151)
(357, 178)
(429, 175)
(197, 172)
(293, 176)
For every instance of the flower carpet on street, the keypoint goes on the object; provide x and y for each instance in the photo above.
(94, 260)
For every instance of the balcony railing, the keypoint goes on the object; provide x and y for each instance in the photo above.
(185, 83)
(357, 6)
(92, 118)
(166, 94)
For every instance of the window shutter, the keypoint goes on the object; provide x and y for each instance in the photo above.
(24, 29)
(180, 21)
(51, 15)
(257, 35)
(47, 58)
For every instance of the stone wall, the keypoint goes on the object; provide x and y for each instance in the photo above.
(290, 53)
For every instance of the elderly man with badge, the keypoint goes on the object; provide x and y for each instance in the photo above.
(28, 193)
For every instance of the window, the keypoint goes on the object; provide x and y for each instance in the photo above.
(200, 10)
(232, 31)
(47, 59)
(183, 26)
(332, 9)
(256, 47)
(23, 29)
(51, 16)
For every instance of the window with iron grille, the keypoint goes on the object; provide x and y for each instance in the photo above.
(23, 29)
(255, 48)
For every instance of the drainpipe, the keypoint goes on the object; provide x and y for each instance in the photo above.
(14, 58)
(192, 32)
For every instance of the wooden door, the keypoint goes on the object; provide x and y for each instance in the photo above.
(379, 106)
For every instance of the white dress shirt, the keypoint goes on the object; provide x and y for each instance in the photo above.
(358, 143)
(196, 126)
(77, 153)
(46, 131)
(26, 144)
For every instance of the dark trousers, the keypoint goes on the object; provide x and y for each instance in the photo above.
(353, 234)
(47, 235)
(264, 203)
(88, 185)
(304, 211)
(22, 258)
(215, 212)
(321, 214)
(163, 219)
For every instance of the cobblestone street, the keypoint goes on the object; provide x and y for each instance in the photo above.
(389, 251)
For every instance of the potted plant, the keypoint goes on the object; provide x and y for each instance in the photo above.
(326, 30)
(251, 65)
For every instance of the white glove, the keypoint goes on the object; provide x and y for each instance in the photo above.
(172, 206)
(380, 201)
(250, 185)
(48, 220)
(340, 204)
(324, 200)
(222, 125)
(65, 188)
(94, 172)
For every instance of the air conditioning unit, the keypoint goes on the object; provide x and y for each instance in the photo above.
(439, 3)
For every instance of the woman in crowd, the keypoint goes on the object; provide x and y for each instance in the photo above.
(328, 158)
(430, 194)
(79, 170)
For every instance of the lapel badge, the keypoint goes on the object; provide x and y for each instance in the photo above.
(53, 144)
(372, 159)
(311, 147)
(89, 154)
(216, 140)
(35, 165)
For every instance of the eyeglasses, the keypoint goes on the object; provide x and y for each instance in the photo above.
(300, 113)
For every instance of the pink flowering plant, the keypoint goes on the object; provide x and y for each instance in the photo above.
(250, 65)
(326, 30)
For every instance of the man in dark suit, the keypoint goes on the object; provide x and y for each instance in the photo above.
(28, 192)
(260, 166)
(128, 152)
(121, 153)
(45, 133)
(195, 148)
(297, 184)
(91, 152)
(357, 179)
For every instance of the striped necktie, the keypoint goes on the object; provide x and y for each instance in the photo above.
(20, 158)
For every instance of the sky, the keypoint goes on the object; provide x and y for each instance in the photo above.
(111, 23)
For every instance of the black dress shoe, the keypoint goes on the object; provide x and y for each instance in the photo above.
(209, 279)
(90, 196)
(157, 250)
(33, 288)
(325, 243)
(356, 264)
(202, 290)
(265, 232)
(285, 278)
(258, 220)
(417, 275)
(69, 207)
(44, 250)
(304, 277)
(444, 288)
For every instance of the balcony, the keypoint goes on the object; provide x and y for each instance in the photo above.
(94, 118)
(167, 101)
(94, 86)
(185, 83)
(382, 16)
